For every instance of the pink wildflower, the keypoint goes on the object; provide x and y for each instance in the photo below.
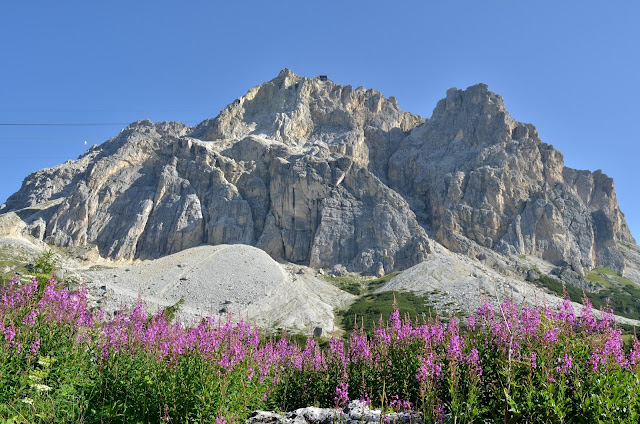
(342, 394)
(473, 361)
(564, 364)
(429, 368)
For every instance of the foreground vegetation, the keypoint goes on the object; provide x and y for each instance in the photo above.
(61, 362)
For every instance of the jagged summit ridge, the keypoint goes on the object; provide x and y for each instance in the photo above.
(319, 173)
(477, 116)
(360, 123)
(291, 108)
(475, 174)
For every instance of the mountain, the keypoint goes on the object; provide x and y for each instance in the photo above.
(325, 175)
(479, 177)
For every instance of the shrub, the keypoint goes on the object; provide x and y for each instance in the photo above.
(45, 263)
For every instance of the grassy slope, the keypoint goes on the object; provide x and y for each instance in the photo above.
(622, 294)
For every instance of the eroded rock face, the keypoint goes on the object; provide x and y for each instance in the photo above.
(317, 173)
(473, 171)
(158, 192)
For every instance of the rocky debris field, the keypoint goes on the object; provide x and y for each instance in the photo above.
(238, 281)
(355, 412)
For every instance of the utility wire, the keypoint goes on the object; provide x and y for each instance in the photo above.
(69, 124)
(33, 138)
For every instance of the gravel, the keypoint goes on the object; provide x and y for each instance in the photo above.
(237, 280)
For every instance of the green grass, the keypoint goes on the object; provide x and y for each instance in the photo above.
(368, 309)
(349, 283)
(606, 277)
(13, 259)
(622, 294)
(629, 246)
(379, 282)
(369, 306)
(347, 279)
(13, 264)
(357, 285)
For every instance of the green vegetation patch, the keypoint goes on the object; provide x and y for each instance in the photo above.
(379, 282)
(623, 295)
(12, 260)
(630, 246)
(606, 277)
(358, 285)
(349, 283)
(347, 279)
(170, 312)
(45, 263)
(368, 309)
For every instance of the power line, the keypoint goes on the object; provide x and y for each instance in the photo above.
(66, 124)
(33, 138)
(71, 124)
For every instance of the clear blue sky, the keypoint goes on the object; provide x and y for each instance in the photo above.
(569, 67)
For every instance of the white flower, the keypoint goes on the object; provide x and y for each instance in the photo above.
(41, 387)
(46, 361)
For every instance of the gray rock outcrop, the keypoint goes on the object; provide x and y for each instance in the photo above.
(473, 173)
(295, 110)
(152, 191)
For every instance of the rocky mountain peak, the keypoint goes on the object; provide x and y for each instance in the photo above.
(288, 77)
(323, 174)
(307, 112)
(477, 116)
(478, 177)
(296, 109)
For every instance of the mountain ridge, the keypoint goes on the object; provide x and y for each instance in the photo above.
(322, 174)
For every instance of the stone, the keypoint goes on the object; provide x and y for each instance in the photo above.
(355, 412)
(37, 228)
(58, 274)
(313, 415)
(379, 270)
(339, 270)
(359, 123)
(177, 193)
(570, 277)
(264, 417)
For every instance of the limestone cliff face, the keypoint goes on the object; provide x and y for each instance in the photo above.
(473, 173)
(321, 174)
(152, 191)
